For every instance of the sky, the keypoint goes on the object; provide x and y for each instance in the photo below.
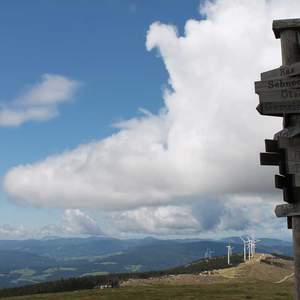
(135, 118)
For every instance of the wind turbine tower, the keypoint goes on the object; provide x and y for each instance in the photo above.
(229, 252)
(249, 246)
(208, 254)
(254, 242)
(245, 248)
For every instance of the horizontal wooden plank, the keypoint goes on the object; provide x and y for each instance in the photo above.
(279, 95)
(279, 25)
(269, 159)
(277, 84)
(279, 108)
(280, 182)
(272, 146)
(285, 210)
(282, 72)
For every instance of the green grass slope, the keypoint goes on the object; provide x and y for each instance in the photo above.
(89, 282)
(236, 291)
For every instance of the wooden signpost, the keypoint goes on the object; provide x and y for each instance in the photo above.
(277, 84)
(279, 95)
(284, 71)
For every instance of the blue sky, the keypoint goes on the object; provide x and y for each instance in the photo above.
(70, 70)
(102, 45)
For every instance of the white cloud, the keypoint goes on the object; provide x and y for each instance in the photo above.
(39, 102)
(8, 232)
(203, 144)
(168, 220)
(76, 222)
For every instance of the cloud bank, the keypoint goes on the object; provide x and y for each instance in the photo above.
(39, 102)
(74, 222)
(203, 144)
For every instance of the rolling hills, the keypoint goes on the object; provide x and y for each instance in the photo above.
(263, 278)
(34, 261)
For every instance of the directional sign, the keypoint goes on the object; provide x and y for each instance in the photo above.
(284, 71)
(277, 84)
(279, 108)
(279, 95)
(286, 210)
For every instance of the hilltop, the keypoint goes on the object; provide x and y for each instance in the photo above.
(263, 267)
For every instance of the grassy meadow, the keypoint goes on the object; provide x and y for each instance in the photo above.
(254, 290)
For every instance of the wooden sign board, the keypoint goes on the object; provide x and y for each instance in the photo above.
(283, 71)
(279, 95)
(277, 84)
(280, 25)
(287, 210)
(279, 108)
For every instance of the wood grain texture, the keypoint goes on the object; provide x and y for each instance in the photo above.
(284, 71)
(280, 25)
(277, 84)
(284, 210)
(279, 108)
(279, 95)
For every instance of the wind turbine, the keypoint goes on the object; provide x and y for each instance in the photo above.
(249, 246)
(254, 242)
(229, 252)
(208, 254)
(245, 250)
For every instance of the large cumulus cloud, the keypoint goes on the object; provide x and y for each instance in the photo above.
(204, 143)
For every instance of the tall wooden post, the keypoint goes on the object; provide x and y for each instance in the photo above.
(290, 51)
(296, 240)
(279, 95)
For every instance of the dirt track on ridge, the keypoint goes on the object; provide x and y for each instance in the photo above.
(263, 267)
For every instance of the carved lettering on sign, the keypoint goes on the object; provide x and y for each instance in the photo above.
(284, 71)
(277, 84)
(281, 84)
(290, 94)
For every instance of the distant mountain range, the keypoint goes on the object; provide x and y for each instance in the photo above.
(33, 261)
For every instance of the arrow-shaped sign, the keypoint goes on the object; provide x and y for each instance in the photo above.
(279, 108)
(279, 95)
(281, 72)
(277, 84)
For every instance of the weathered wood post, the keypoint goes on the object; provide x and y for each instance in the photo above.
(279, 95)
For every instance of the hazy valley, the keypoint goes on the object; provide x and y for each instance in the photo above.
(33, 261)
